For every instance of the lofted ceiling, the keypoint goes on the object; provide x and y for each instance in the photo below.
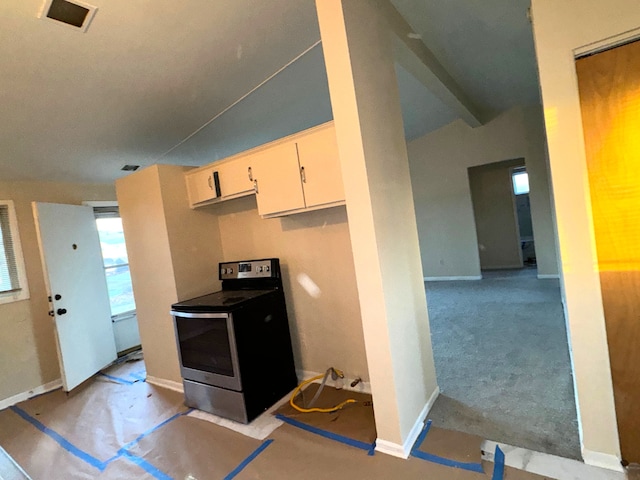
(190, 82)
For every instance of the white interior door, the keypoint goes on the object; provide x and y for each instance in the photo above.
(72, 262)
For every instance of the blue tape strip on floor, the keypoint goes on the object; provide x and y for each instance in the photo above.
(141, 376)
(248, 460)
(498, 467)
(117, 379)
(153, 429)
(146, 466)
(64, 443)
(369, 447)
(429, 457)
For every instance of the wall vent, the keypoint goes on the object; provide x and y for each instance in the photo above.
(76, 15)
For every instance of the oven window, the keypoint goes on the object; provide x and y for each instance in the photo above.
(204, 344)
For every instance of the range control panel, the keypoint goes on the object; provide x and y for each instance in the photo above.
(247, 269)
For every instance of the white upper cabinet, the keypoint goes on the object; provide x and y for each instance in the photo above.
(235, 177)
(320, 167)
(201, 186)
(297, 173)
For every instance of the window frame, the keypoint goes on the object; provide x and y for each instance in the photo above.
(23, 292)
(519, 171)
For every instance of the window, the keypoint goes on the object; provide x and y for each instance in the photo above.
(520, 179)
(13, 280)
(115, 261)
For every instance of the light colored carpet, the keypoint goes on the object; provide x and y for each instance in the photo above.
(502, 361)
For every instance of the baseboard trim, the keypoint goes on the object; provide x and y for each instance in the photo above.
(164, 383)
(21, 397)
(403, 451)
(545, 276)
(449, 279)
(602, 460)
(361, 387)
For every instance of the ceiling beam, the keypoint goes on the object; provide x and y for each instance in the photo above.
(415, 57)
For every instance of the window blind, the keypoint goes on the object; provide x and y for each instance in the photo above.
(9, 281)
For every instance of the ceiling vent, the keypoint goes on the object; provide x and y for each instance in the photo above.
(76, 15)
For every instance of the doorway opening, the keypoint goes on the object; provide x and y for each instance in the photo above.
(500, 342)
(118, 277)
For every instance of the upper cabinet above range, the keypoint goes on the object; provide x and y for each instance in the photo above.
(295, 174)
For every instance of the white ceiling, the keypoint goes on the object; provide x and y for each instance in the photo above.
(152, 80)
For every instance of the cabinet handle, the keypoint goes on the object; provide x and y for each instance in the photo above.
(303, 175)
(210, 182)
(255, 186)
(250, 174)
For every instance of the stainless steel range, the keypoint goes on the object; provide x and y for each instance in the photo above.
(234, 345)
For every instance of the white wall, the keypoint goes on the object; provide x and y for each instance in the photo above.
(561, 29)
(439, 163)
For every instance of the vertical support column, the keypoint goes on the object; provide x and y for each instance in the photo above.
(366, 107)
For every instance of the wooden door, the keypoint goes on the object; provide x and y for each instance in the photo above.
(609, 84)
(276, 174)
(320, 166)
(72, 261)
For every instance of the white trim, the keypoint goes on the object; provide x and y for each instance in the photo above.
(87, 21)
(164, 383)
(552, 466)
(602, 460)
(448, 279)
(607, 43)
(403, 451)
(545, 276)
(21, 397)
(100, 203)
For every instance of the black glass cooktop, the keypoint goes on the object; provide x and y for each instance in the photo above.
(219, 301)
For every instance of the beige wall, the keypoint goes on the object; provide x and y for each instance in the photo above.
(173, 254)
(314, 251)
(28, 356)
(444, 211)
(495, 215)
(561, 29)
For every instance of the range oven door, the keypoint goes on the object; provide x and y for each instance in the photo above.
(207, 348)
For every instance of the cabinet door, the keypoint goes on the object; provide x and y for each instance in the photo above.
(234, 177)
(200, 186)
(320, 167)
(276, 174)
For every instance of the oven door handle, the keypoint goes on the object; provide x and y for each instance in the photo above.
(199, 315)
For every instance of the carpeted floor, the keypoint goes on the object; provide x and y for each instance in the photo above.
(502, 361)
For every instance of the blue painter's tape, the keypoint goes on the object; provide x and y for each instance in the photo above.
(153, 429)
(139, 376)
(472, 467)
(332, 436)
(64, 443)
(498, 468)
(248, 460)
(117, 379)
(372, 450)
(421, 437)
(146, 466)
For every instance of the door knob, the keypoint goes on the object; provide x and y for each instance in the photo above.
(61, 311)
